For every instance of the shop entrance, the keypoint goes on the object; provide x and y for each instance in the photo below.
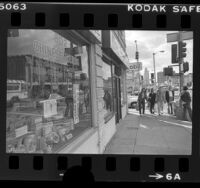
(117, 100)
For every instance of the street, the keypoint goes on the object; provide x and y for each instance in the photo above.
(151, 134)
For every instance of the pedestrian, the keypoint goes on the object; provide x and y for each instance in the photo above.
(141, 100)
(186, 100)
(152, 98)
(169, 96)
(160, 99)
(107, 99)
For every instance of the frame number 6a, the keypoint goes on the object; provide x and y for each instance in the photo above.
(168, 176)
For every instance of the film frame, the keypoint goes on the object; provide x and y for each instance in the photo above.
(104, 167)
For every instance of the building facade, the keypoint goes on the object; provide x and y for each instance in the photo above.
(66, 90)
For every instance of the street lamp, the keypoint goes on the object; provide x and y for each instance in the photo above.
(154, 63)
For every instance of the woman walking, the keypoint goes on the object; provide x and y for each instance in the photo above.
(160, 99)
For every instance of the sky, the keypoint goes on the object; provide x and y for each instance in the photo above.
(154, 41)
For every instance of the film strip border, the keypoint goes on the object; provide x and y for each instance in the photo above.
(90, 17)
(104, 167)
(91, 21)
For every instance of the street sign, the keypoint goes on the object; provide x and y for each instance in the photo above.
(173, 37)
(137, 66)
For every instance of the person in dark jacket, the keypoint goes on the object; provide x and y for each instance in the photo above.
(169, 95)
(186, 100)
(107, 99)
(152, 99)
(141, 100)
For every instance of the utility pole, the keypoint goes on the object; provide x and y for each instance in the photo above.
(180, 60)
(154, 68)
(137, 59)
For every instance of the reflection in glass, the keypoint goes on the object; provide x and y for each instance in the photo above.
(107, 86)
(48, 91)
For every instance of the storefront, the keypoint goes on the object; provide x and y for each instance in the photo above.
(58, 97)
(114, 52)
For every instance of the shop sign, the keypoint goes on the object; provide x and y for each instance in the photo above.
(129, 75)
(21, 131)
(137, 66)
(96, 33)
(49, 53)
(117, 48)
(76, 103)
(49, 107)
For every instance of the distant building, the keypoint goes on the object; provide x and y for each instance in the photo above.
(146, 77)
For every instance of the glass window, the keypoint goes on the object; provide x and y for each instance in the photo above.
(123, 94)
(107, 87)
(53, 106)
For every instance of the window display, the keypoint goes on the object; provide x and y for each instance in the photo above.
(48, 91)
(107, 86)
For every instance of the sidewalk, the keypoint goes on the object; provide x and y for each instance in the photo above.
(151, 134)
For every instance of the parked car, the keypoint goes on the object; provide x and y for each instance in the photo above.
(16, 91)
(132, 100)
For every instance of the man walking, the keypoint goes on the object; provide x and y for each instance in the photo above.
(141, 100)
(152, 98)
(169, 95)
(160, 99)
(186, 100)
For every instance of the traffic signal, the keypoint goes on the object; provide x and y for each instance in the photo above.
(182, 49)
(136, 55)
(168, 71)
(174, 53)
(185, 67)
(152, 75)
(152, 78)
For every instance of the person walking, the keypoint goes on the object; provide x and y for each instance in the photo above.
(141, 100)
(169, 96)
(186, 100)
(160, 99)
(152, 98)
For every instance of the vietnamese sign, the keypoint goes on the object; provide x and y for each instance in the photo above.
(50, 53)
(137, 66)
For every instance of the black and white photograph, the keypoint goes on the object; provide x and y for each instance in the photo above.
(99, 92)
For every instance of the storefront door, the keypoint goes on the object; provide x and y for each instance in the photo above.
(117, 99)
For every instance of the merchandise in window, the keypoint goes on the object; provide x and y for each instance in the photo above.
(48, 91)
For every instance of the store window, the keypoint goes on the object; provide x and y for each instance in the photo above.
(123, 94)
(107, 87)
(48, 91)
